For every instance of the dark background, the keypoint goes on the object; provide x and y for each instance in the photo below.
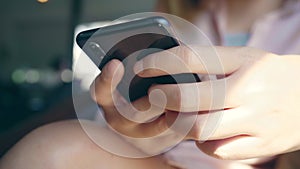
(36, 41)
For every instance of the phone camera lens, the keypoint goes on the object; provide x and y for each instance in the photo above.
(96, 49)
(94, 45)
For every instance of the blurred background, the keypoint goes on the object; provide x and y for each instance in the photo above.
(36, 48)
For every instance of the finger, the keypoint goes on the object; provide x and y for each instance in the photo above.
(228, 134)
(155, 137)
(103, 88)
(235, 148)
(221, 124)
(191, 97)
(214, 125)
(204, 60)
(140, 111)
(138, 130)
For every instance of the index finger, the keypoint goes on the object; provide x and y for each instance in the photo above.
(194, 59)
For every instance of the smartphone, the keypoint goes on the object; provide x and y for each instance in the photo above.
(129, 42)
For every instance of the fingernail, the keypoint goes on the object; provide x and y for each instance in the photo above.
(110, 68)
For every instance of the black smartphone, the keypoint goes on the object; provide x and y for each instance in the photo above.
(129, 42)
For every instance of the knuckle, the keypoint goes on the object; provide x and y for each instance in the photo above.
(175, 99)
(222, 155)
(185, 55)
(195, 132)
(98, 98)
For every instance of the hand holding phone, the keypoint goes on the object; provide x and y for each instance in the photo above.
(130, 42)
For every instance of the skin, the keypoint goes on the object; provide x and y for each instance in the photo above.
(262, 106)
(250, 80)
(261, 127)
(65, 145)
(49, 147)
(55, 149)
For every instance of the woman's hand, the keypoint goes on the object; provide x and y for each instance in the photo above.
(254, 107)
(140, 123)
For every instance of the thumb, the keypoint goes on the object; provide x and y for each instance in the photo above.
(104, 87)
